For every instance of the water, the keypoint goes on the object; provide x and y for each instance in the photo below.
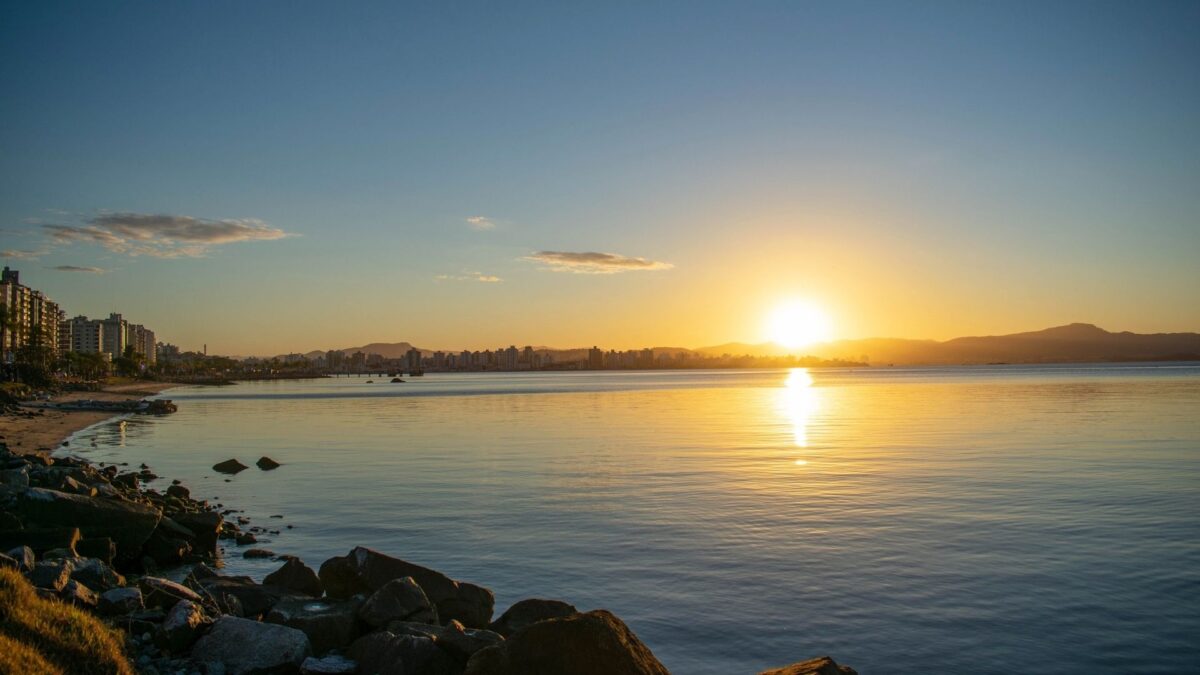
(945, 520)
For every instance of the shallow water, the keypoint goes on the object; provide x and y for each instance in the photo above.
(945, 520)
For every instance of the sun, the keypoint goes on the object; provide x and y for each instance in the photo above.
(799, 324)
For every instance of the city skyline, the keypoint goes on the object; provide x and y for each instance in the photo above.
(670, 177)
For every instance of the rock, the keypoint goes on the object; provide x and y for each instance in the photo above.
(120, 601)
(51, 574)
(162, 593)
(40, 539)
(178, 491)
(258, 553)
(464, 642)
(8, 562)
(100, 548)
(229, 466)
(200, 572)
(296, 576)
(819, 666)
(254, 599)
(206, 526)
(96, 575)
(24, 557)
(128, 524)
(387, 654)
(267, 464)
(246, 647)
(398, 600)
(79, 595)
(182, 626)
(530, 611)
(330, 665)
(244, 538)
(16, 478)
(595, 643)
(329, 624)
(366, 571)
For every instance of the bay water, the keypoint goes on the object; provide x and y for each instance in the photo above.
(947, 520)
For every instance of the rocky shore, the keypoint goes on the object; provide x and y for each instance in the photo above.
(96, 537)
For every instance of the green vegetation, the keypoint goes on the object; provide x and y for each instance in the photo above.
(48, 636)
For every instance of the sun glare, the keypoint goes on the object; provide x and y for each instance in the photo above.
(799, 324)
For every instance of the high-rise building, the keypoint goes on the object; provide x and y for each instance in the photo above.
(30, 318)
(595, 358)
(116, 332)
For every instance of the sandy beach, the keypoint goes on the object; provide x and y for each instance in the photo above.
(44, 432)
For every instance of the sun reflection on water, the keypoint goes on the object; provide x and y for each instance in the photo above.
(799, 402)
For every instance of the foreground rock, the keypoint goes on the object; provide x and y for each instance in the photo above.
(366, 571)
(248, 647)
(330, 665)
(595, 643)
(388, 654)
(398, 600)
(530, 611)
(296, 576)
(182, 625)
(163, 593)
(819, 666)
(128, 524)
(329, 624)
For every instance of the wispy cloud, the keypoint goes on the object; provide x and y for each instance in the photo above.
(481, 223)
(162, 235)
(590, 262)
(76, 268)
(22, 254)
(470, 276)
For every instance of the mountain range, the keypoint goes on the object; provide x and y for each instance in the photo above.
(1076, 342)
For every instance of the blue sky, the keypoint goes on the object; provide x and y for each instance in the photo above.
(919, 169)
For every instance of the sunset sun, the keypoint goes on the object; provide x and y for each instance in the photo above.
(799, 324)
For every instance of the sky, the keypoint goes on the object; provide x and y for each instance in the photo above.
(270, 177)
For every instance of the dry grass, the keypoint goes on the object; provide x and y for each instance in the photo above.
(52, 636)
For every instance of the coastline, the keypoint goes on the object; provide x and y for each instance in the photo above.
(42, 433)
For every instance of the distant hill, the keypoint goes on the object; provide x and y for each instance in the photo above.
(1076, 342)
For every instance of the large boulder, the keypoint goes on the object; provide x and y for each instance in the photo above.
(595, 643)
(530, 611)
(822, 665)
(398, 600)
(463, 642)
(329, 624)
(366, 571)
(128, 524)
(248, 647)
(296, 576)
(229, 466)
(384, 653)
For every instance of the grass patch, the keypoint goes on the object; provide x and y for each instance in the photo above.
(48, 636)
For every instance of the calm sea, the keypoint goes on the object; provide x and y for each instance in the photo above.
(943, 520)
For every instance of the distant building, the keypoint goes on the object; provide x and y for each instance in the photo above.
(412, 360)
(595, 358)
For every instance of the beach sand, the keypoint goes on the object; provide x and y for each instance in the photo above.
(45, 432)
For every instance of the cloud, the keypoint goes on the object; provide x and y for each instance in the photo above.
(481, 223)
(470, 276)
(590, 262)
(161, 235)
(76, 268)
(21, 254)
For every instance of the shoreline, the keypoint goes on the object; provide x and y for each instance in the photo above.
(45, 431)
